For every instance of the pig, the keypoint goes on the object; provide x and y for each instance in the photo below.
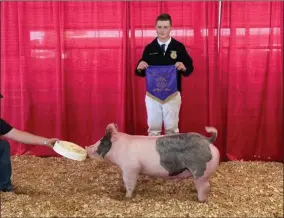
(180, 155)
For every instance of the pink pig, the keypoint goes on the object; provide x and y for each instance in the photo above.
(181, 155)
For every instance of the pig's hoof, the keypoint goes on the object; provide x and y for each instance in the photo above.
(203, 196)
(202, 200)
(129, 196)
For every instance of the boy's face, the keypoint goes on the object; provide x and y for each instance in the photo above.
(163, 29)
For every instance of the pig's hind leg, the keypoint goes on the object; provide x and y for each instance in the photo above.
(201, 181)
(130, 177)
(203, 187)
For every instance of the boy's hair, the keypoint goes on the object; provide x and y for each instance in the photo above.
(164, 17)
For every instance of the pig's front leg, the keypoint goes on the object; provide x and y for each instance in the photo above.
(130, 177)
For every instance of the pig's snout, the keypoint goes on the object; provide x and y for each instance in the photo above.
(88, 150)
(91, 152)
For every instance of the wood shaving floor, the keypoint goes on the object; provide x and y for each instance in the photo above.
(59, 187)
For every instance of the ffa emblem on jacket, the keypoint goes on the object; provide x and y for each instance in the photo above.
(173, 54)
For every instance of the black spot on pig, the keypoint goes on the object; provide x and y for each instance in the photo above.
(105, 144)
(175, 173)
(185, 151)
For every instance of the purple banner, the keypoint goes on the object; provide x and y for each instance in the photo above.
(161, 82)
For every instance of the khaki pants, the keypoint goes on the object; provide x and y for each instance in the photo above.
(158, 113)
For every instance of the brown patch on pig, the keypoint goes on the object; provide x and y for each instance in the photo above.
(187, 151)
(105, 144)
(106, 141)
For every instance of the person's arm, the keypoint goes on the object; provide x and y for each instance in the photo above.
(141, 72)
(187, 61)
(28, 138)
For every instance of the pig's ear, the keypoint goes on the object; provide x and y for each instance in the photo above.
(116, 126)
(112, 128)
(108, 133)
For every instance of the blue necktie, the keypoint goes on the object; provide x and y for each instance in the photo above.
(163, 46)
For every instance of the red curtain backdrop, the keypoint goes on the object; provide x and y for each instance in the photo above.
(67, 70)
